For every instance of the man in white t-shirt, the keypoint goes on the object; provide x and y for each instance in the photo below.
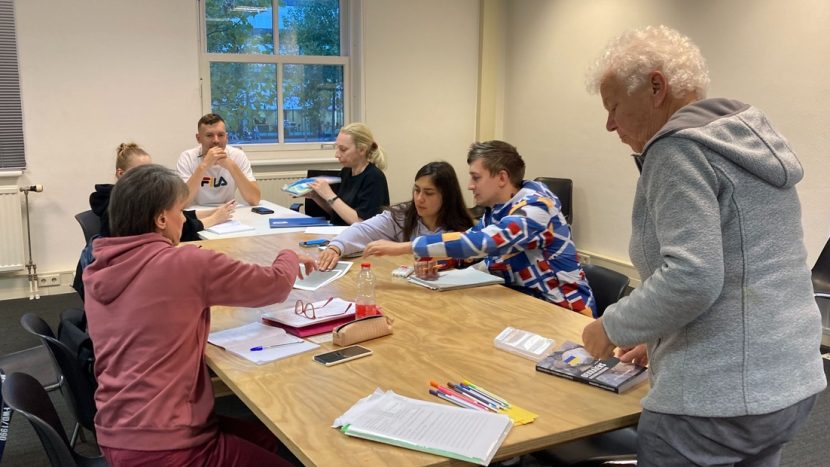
(213, 170)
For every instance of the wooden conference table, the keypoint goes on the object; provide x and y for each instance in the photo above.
(442, 336)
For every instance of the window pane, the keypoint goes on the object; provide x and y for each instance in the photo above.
(245, 95)
(239, 26)
(309, 27)
(313, 102)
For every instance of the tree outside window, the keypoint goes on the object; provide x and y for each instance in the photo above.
(276, 85)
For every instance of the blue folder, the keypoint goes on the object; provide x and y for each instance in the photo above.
(284, 222)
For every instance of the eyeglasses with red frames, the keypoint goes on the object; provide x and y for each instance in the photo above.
(310, 311)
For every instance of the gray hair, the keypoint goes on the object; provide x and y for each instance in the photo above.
(632, 55)
(141, 195)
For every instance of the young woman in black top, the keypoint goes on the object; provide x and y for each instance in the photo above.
(363, 190)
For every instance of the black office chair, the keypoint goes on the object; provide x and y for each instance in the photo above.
(311, 208)
(35, 360)
(821, 271)
(25, 395)
(608, 286)
(563, 189)
(618, 447)
(80, 383)
(90, 223)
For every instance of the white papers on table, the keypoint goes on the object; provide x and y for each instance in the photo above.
(231, 226)
(318, 279)
(326, 230)
(335, 309)
(275, 342)
(463, 434)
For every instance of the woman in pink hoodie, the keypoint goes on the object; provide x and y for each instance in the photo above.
(148, 308)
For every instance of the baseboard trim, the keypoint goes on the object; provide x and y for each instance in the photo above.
(16, 285)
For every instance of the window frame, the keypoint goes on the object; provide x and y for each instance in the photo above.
(349, 17)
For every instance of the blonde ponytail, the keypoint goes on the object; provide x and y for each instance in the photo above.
(363, 139)
(125, 153)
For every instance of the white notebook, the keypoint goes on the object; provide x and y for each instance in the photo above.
(336, 309)
(458, 279)
(231, 226)
(273, 343)
(318, 279)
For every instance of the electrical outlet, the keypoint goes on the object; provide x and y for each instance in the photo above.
(584, 259)
(48, 280)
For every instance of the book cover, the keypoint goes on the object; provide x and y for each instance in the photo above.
(285, 222)
(312, 330)
(572, 361)
(300, 187)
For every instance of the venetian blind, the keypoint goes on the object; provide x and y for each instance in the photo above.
(11, 113)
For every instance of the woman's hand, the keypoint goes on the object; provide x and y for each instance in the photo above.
(636, 355)
(322, 189)
(328, 258)
(308, 262)
(387, 248)
(221, 214)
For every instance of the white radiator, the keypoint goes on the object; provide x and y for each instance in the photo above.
(11, 229)
(271, 183)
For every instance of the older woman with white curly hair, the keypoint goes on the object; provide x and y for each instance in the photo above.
(726, 307)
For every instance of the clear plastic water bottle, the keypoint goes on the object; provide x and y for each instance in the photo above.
(365, 300)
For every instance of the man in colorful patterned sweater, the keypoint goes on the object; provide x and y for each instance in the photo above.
(522, 237)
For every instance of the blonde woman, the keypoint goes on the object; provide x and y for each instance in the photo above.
(363, 191)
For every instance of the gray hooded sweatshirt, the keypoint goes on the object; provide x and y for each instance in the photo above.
(726, 304)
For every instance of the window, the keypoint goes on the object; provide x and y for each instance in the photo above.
(276, 70)
(11, 113)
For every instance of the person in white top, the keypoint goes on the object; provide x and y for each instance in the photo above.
(213, 170)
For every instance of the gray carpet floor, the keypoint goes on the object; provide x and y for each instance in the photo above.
(810, 448)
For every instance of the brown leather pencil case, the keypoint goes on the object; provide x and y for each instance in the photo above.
(361, 330)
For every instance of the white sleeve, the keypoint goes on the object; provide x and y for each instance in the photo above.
(184, 166)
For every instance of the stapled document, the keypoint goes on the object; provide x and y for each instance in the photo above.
(453, 432)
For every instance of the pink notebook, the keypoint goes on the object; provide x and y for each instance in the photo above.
(312, 330)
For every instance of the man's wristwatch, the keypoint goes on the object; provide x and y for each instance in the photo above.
(332, 200)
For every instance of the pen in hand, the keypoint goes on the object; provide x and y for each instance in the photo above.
(263, 347)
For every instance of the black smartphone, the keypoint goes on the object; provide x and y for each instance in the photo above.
(343, 355)
(262, 210)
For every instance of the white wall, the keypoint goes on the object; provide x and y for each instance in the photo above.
(95, 74)
(773, 55)
(421, 69)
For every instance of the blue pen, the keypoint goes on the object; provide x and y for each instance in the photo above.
(263, 347)
(501, 403)
(474, 396)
